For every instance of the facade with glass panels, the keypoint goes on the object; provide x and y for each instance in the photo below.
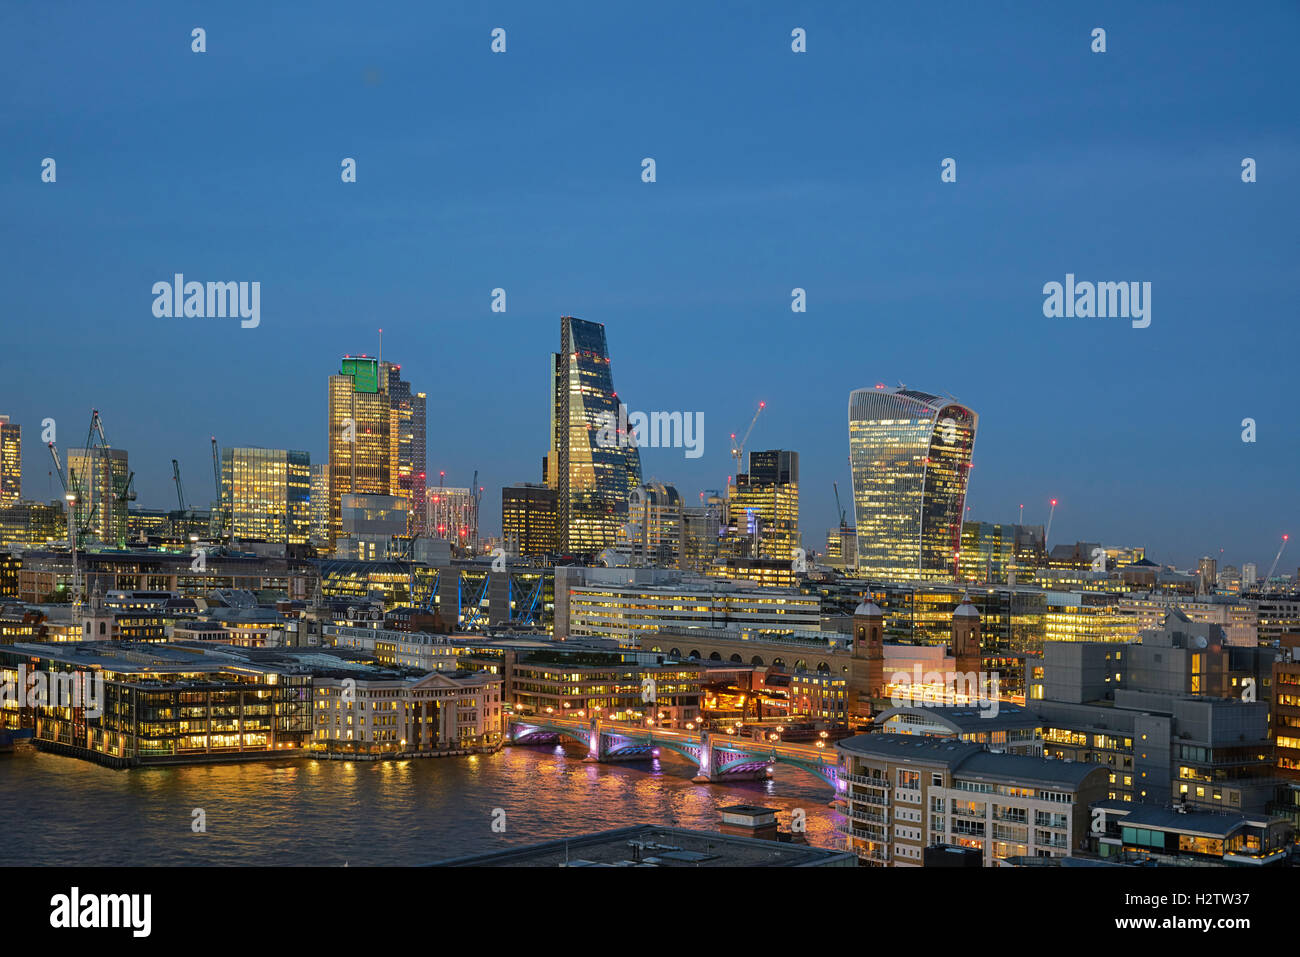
(763, 509)
(100, 477)
(910, 455)
(409, 419)
(363, 428)
(320, 503)
(267, 493)
(11, 462)
(528, 519)
(592, 478)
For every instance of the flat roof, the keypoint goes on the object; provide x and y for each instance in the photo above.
(649, 845)
(904, 747)
(968, 719)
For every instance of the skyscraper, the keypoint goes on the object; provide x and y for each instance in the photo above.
(409, 409)
(267, 494)
(763, 509)
(910, 455)
(11, 462)
(363, 436)
(592, 479)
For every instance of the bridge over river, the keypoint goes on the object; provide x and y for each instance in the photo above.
(716, 756)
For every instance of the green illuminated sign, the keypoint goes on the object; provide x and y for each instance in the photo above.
(364, 373)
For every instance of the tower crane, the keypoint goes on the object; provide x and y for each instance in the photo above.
(738, 448)
(180, 489)
(218, 513)
(1276, 559)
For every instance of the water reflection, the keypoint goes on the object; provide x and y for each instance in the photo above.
(56, 810)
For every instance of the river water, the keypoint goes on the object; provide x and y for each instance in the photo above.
(62, 811)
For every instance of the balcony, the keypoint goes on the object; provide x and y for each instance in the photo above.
(862, 835)
(871, 782)
(880, 800)
(868, 817)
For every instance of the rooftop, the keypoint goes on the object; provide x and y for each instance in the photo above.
(649, 845)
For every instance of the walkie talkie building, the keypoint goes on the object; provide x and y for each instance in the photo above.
(910, 454)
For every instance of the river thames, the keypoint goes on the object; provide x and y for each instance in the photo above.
(62, 811)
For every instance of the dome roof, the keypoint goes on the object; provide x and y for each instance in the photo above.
(868, 609)
(965, 609)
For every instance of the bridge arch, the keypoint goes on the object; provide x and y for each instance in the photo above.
(737, 659)
(756, 660)
(715, 657)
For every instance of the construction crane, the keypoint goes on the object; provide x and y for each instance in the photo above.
(121, 491)
(838, 507)
(738, 448)
(476, 496)
(218, 515)
(180, 489)
(1276, 559)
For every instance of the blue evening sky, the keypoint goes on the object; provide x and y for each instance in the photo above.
(775, 170)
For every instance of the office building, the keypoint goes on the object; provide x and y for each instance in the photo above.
(628, 603)
(703, 526)
(452, 515)
(593, 462)
(101, 480)
(33, 523)
(653, 533)
(11, 462)
(405, 713)
(910, 455)
(267, 494)
(763, 508)
(320, 503)
(363, 436)
(1170, 717)
(528, 520)
(410, 434)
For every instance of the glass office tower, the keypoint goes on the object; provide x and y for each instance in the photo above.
(592, 481)
(268, 493)
(363, 436)
(409, 409)
(910, 454)
(11, 462)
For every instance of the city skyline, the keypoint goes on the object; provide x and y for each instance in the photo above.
(907, 484)
(691, 274)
